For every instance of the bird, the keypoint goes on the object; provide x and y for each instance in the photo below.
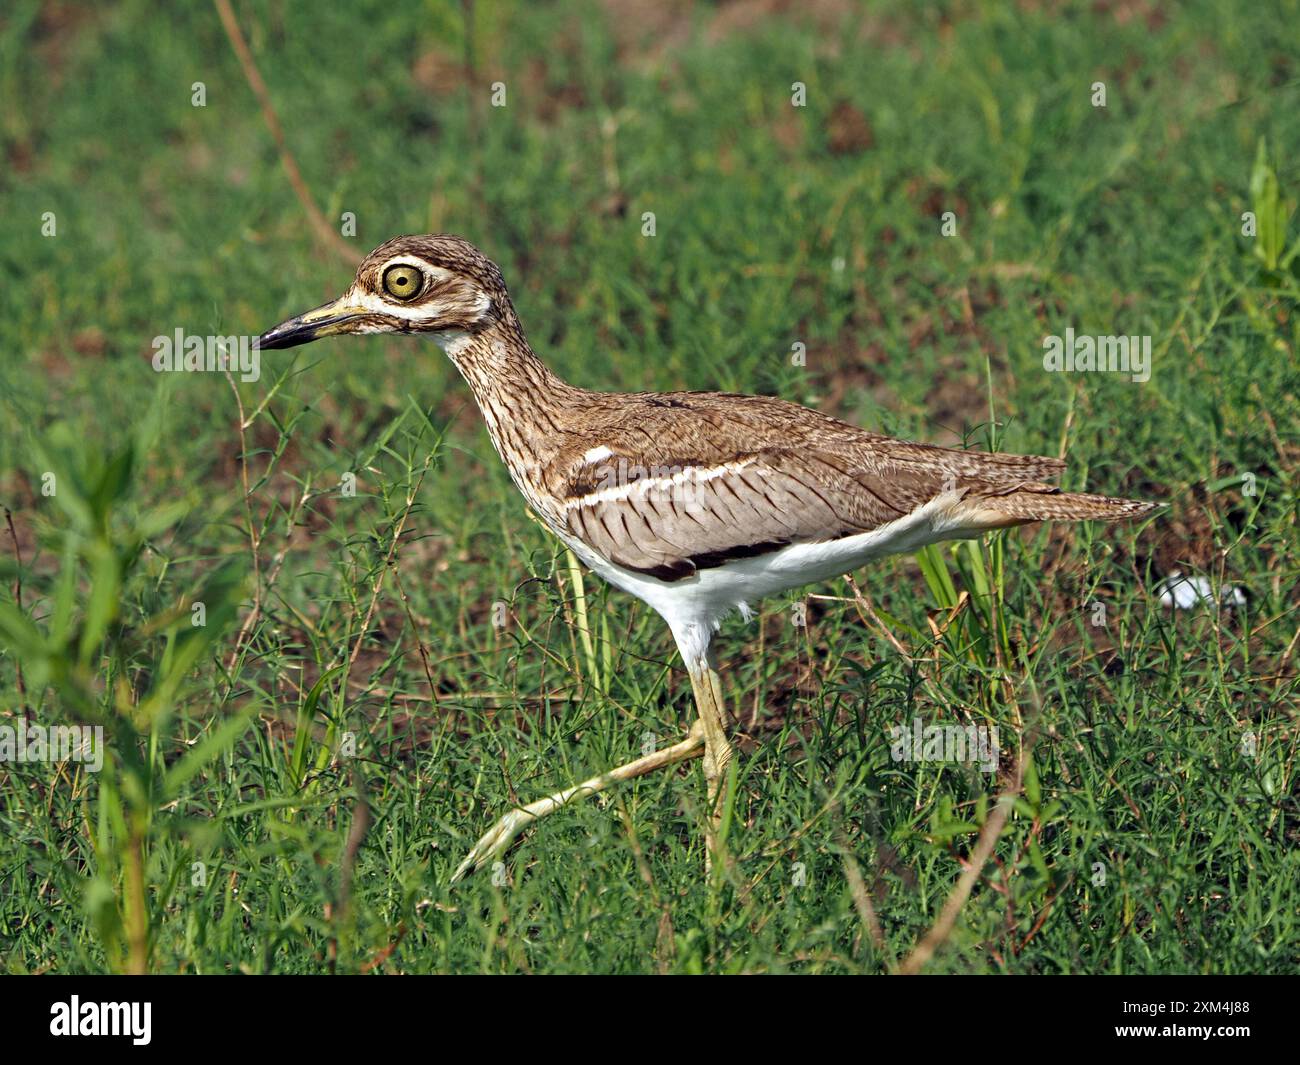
(700, 504)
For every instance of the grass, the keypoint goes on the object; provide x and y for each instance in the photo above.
(381, 673)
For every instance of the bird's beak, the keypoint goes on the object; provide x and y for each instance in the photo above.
(326, 320)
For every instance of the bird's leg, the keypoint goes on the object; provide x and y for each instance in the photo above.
(500, 835)
(707, 686)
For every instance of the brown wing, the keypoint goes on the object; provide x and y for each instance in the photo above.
(668, 521)
(683, 482)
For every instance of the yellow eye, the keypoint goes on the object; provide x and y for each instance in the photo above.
(402, 282)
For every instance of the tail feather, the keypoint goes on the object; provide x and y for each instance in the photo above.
(1026, 503)
(998, 468)
(1002, 468)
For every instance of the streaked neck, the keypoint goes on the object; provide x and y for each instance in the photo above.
(522, 400)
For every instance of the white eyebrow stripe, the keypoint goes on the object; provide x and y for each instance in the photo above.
(597, 453)
(375, 303)
(436, 272)
(644, 485)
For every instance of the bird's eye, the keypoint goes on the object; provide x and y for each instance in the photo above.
(402, 282)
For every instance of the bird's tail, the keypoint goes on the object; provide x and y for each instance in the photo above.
(1024, 503)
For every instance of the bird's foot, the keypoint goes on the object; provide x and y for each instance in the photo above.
(494, 841)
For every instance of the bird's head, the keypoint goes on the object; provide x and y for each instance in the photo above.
(439, 284)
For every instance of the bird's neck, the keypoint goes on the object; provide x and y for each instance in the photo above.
(523, 402)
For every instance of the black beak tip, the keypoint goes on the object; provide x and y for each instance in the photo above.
(274, 339)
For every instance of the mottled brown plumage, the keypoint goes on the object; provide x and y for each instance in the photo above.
(782, 474)
(693, 501)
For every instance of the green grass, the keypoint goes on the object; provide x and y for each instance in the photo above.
(225, 832)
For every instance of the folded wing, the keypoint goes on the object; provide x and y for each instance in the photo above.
(688, 483)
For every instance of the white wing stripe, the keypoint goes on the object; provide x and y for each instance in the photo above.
(680, 484)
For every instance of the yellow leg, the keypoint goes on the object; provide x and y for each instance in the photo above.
(503, 833)
(707, 686)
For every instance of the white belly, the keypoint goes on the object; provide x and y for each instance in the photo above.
(694, 606)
